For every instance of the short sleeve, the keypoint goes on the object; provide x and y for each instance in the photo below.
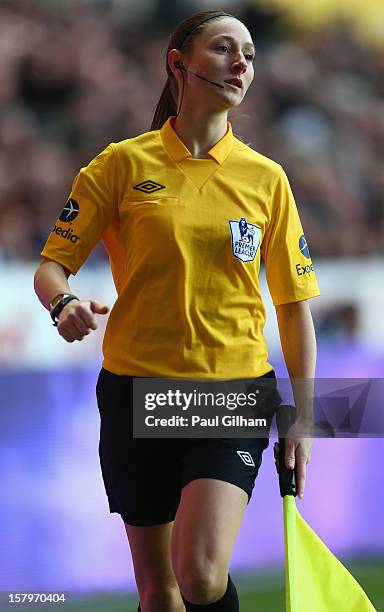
(289, 269)
(91, 207)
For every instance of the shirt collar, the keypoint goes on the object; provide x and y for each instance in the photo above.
(178, 151)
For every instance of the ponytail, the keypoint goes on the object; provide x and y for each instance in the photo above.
(166, 107)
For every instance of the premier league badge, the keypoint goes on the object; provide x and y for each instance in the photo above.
(245, 239)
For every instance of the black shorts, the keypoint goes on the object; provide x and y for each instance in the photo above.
(143, 477)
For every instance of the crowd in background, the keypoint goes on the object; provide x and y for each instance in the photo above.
(79, 76)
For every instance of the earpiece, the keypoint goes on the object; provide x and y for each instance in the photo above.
(178, 64)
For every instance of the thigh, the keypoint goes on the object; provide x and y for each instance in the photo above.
(206, 525)
(217, 478)
(150, 548)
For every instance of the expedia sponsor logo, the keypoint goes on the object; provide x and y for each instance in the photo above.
(302, 270)
(70, 211)
(67, 233)
(303, 246)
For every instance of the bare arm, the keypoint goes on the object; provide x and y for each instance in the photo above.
(77, 318)
(51, 278)
(298, 342)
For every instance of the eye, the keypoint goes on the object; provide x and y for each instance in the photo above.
(249, 57)
(224, 47)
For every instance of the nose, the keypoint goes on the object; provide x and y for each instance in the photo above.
(239, 63)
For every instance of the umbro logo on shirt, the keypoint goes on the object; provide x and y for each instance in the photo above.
(149, 186)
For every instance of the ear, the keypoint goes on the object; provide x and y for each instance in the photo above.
(174, 61)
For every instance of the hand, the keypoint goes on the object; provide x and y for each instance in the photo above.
(77, 319)
(297, 456)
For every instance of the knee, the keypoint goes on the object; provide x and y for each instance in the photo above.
(203, 585)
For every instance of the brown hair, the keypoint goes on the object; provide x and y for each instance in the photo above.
(181, 39)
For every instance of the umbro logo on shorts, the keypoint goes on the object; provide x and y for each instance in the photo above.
(149, 186)
(246, 457)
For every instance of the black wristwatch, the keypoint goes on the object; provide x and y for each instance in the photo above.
(58, 303)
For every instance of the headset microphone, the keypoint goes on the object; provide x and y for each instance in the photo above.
(181, 66)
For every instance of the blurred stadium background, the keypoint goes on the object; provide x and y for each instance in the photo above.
(76, 75)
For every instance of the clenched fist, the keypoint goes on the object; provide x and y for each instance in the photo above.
(78, 318)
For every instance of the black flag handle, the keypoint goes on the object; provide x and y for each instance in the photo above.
(285, 417)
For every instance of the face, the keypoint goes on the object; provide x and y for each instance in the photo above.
(223, 52)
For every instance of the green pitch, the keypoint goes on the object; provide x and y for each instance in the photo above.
(261, 592)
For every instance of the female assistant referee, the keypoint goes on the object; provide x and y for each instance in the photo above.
(186, 211)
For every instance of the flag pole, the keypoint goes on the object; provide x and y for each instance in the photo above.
(285, 417)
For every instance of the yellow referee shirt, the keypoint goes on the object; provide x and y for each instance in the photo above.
(184, 238)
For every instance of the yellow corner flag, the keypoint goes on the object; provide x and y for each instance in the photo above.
(315, 580)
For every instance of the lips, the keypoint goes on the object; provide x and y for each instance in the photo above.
(235, 82)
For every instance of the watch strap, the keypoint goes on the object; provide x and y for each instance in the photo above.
(58, 303)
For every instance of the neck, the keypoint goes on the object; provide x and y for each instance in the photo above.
(198, 131)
